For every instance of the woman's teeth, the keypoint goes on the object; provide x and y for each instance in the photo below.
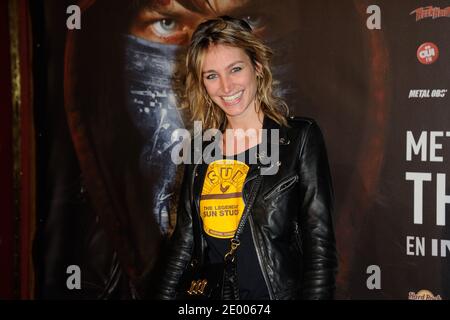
(233, 97)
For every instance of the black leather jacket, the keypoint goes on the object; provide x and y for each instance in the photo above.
(291, 220)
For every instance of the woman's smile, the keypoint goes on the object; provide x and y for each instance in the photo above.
(233, 99)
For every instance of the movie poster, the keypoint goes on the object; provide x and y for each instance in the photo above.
(373, 74)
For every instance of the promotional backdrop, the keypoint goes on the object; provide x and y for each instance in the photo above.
(374, 74)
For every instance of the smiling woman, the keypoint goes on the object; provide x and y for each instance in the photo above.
(287, 248)
(229, 68)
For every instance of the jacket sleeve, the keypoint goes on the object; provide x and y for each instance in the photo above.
(316, 225)
(181, 243)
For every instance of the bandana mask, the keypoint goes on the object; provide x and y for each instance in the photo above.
(152, 104)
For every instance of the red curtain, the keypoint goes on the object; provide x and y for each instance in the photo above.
(17, 153)
(6, 160)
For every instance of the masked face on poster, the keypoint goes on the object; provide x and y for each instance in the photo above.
(155, 48)
(126, 66)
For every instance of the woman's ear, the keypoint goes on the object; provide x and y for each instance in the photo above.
(258, 69)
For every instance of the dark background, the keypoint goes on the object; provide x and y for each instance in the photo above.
(354, 81)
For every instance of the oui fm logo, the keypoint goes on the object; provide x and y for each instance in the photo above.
(427, 53)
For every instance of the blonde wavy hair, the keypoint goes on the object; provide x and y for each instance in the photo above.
(236, 33)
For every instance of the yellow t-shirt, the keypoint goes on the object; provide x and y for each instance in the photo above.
(221, 203)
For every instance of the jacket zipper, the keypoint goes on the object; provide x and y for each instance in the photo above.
(261, 265)
(197, 212)
(283, 186)
(194, 171)
(243, 187)
(298, 238)
(258, 253)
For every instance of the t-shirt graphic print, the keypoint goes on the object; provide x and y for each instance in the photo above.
(221, 203)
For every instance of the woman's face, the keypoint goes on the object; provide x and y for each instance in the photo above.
(230, 80)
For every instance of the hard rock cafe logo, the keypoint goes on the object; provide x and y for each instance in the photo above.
(431, 12)
(427, 53)
(423, 295)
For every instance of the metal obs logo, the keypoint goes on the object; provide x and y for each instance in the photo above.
(427, 53)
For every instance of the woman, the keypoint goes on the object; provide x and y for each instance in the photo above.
(286, 246)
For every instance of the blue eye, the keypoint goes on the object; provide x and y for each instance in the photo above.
(211, 76)
(164, 27)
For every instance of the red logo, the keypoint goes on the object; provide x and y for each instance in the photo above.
(427, 53)
(431, 12)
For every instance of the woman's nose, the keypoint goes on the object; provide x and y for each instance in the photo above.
(226, 84)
